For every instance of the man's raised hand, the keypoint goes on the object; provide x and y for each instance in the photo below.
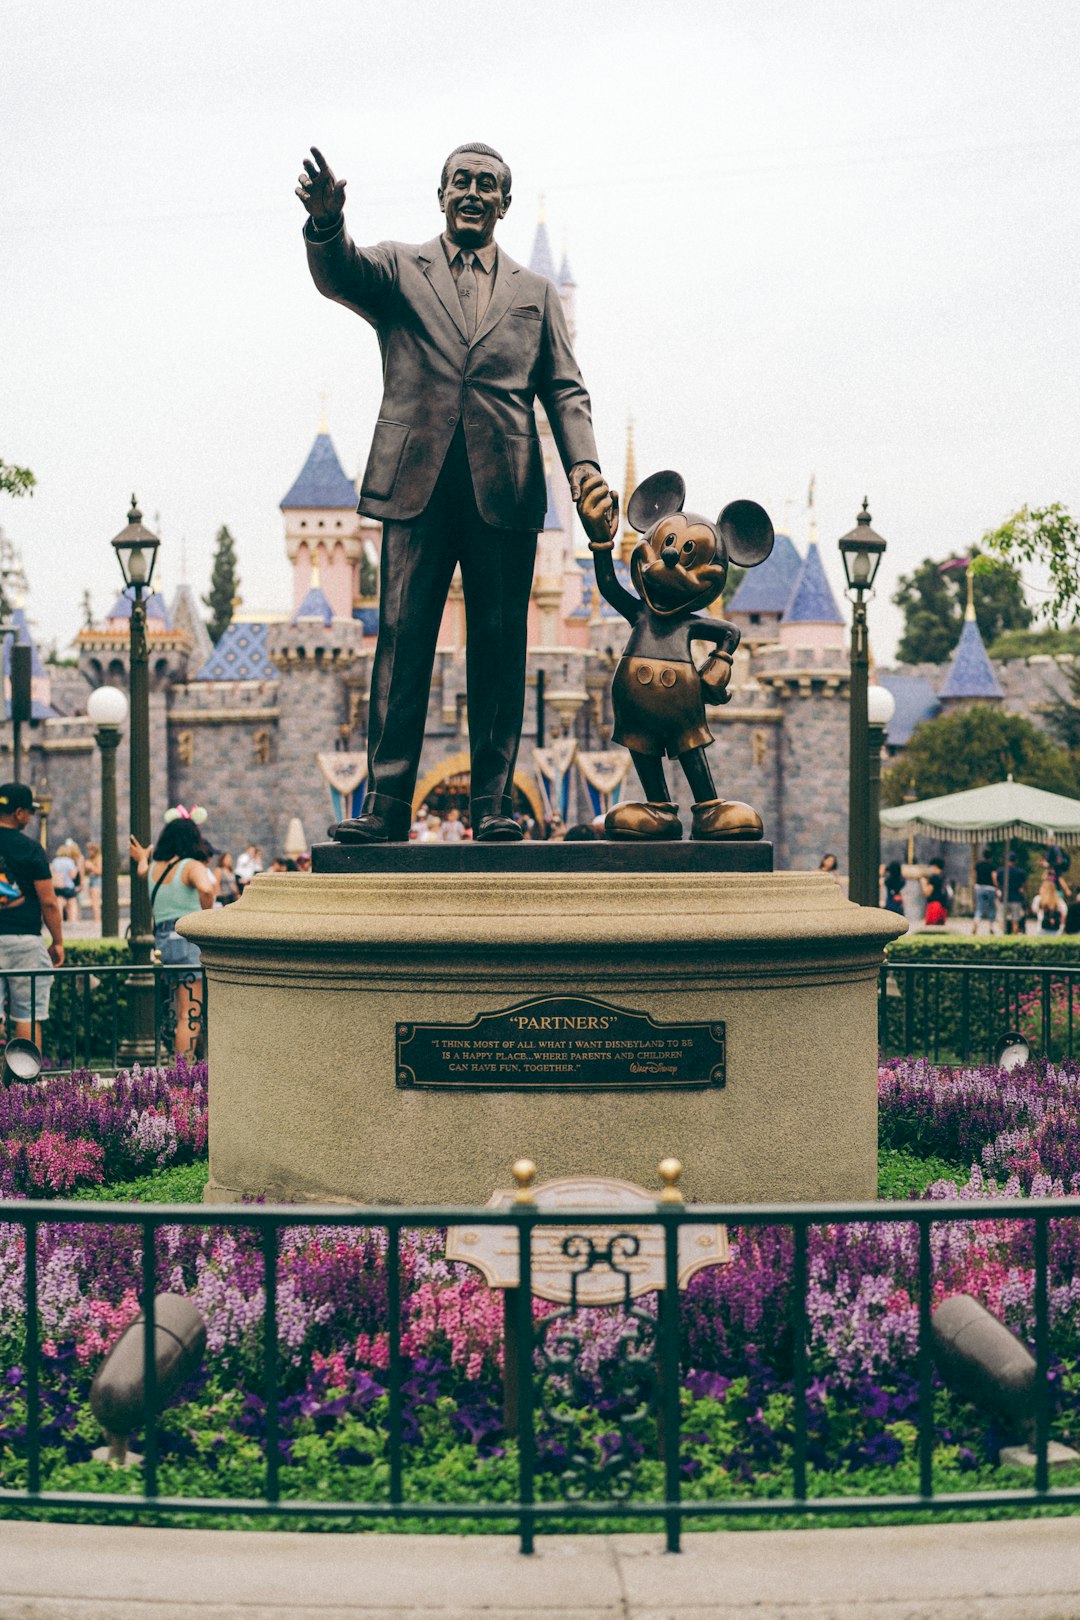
(598, 509)
(321, 193)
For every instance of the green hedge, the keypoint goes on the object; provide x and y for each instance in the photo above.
(66, 1034)
(988, 950)
(924, 1014)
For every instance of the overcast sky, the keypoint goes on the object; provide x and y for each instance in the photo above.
(830, 237)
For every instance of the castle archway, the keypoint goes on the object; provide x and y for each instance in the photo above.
(447, 784)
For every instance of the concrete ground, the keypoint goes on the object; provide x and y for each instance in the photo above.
(1017, 1570)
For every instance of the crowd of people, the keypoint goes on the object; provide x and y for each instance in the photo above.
(452, 827)
(1007, 893)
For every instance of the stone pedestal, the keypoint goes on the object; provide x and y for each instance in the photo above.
(313, 977)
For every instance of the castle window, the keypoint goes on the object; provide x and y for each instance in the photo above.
(755, 618)
(321, 524)
(303, 523)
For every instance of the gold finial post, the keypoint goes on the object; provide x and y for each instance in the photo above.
(669, 1171)
(524, 1173)
(969, 611)
(324, 420)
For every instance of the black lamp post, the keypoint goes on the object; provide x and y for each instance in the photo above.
(136, 549)
(108, 708)
(880, 708)
(861, 551)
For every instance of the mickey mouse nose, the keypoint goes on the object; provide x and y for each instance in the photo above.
(670, 556)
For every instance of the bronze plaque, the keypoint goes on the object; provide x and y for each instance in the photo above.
(561, 1043)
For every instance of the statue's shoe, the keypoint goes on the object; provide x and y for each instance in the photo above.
(495, 829)
(646, 821)
(726, 819)
(383, 820)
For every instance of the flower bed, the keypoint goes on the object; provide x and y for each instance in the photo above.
(593, 1428)
(75, 1131)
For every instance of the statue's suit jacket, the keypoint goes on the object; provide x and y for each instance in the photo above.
(434, 378)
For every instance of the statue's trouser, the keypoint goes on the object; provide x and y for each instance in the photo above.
(418, 561)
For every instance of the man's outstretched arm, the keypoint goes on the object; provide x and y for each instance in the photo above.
(359, 278)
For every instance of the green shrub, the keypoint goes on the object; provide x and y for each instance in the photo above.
(1029, 950)
(934, 1014)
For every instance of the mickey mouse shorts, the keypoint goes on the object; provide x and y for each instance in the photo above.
(659, 708)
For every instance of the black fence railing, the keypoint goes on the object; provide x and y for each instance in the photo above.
(949, 1012)
(540, 1358)
(83, 1014)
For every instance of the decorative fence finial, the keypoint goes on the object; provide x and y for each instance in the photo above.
(670, 1170)
(524, 1173)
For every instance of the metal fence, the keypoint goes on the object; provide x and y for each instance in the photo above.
(530, 1358)
(959, 1012)
(88, 1013)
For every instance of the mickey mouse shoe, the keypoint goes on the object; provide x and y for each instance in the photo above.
(644, 821)
(725, 819)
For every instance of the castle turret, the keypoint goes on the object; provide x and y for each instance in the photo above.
(811, 618)
(322, 529)
(971, 677)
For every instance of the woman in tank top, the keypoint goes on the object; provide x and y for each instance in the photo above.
(180, 883)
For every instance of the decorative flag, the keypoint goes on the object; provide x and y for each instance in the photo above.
(346, 777)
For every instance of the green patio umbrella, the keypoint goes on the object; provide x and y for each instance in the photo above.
(1003, 810)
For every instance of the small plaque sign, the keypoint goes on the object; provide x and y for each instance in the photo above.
(494, 1249)
(561, 1043)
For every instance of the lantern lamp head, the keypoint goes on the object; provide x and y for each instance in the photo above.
(861, 551)
(136, 548)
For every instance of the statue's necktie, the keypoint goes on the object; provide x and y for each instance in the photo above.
(467, 293)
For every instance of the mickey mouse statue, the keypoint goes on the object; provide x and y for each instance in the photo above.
(658, 692)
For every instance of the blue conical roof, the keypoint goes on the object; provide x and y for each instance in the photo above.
(812, 600)
(541, 260)
(314, 606)
(566, 275)
(971, 674)
(767, 588)
(322, 482)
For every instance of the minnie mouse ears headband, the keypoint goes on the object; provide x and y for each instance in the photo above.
(196, 814)
(744, 526)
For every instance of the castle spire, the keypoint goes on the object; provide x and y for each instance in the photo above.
(969, 611)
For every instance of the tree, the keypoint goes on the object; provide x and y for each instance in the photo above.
(973, 747)
(1049, 642)
(933, 597)
(16, 480)
(224, 585)
(1049, 537)
(87, 610)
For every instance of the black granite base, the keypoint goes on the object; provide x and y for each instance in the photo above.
(597, 855)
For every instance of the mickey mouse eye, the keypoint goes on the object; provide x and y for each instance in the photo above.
(688, 546)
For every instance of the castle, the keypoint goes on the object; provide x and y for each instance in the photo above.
(270, 725)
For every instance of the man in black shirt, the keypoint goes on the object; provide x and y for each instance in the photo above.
(26, 899)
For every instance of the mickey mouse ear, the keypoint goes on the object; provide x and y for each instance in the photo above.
(747, 532)
(660, 495)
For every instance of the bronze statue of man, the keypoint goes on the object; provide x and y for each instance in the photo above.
(469, 340)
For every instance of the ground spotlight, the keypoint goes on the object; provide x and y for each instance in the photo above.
(22, 1062)
(118, 1394)
(1012, 1051)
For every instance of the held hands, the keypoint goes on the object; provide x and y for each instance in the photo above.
(321, 193)
(598, 509)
